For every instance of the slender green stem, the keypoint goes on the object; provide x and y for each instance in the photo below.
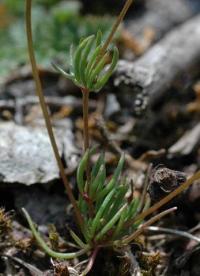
(46, 114)
(46, 248)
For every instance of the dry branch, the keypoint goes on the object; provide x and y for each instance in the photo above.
(157, 68)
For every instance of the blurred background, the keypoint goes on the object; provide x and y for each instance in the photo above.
(57, 24)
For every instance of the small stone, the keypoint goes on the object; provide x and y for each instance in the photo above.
(26, 154)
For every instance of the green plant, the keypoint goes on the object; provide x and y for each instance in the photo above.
(106, 212)
(87, 66)
(107, 223)
(87, 71)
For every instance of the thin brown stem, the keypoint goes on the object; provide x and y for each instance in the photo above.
(46, 114)
(114, 28)
(85, 94)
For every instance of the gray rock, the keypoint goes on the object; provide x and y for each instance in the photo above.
(26, 154)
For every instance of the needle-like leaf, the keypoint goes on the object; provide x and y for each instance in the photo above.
(84, 59)
(97, 165)
(117, 202)
(98, 182)
(120, 224)
(92, 61)
(103, 80)
(46, 248)
(81, 170)
(96, 71)
(77, 239)
(77, 59)
(110, 224)
(62, 72)
(100, 212)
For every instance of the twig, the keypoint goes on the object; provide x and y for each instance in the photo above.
(173, 232)
(46, 114)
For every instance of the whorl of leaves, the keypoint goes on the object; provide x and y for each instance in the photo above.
(111, 207)
(88, 65)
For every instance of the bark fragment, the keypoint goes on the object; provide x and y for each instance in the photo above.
(154, 72)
